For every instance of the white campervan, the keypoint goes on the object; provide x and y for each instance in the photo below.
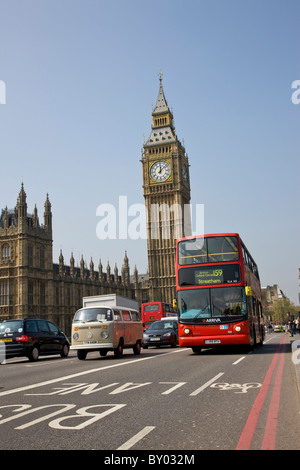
(106, 328)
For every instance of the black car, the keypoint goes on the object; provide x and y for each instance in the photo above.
(31, 337)
(161, 332)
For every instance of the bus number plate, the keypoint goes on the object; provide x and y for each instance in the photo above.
(212, 341)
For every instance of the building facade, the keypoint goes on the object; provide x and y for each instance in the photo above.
(32, 285)
(166, 188)
(299, 286)
(270, 294)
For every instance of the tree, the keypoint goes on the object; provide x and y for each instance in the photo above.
(280, 308)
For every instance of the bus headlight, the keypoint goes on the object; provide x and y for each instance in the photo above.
(187, 331)
(75, 336)
(238, 328)
(104, 334)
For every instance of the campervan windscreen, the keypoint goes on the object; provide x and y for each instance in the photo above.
(85, 315)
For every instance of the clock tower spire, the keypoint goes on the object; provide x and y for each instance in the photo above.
(166, 187)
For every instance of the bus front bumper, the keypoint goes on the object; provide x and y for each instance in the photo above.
(96, 346)
(210, 341)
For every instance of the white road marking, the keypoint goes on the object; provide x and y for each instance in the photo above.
(130, 443)
(167, 392)
(207, 384)
(86, 372)
(239, 360)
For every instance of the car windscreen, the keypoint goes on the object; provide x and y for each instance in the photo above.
(161, 325)
(15, 326)
(93, 314)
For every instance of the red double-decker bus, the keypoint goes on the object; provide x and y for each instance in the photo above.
(152, 311)
(218, 292)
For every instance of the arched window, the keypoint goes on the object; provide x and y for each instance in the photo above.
(4, 293)
(6, 252)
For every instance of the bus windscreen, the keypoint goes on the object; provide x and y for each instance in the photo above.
(199, 304)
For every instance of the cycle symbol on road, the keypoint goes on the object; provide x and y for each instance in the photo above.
(239, 388)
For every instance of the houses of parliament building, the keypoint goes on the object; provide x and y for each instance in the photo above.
(32, 285)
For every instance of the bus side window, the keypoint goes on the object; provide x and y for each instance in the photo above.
(255, 312)
(249, 305)
(117, 315)
(134, 316)
(126, 315)
(109, 315)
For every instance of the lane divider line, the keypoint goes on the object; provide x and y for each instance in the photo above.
(239, 360)
(207, 384)
(134, 439)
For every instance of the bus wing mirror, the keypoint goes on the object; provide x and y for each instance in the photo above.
(248, 290)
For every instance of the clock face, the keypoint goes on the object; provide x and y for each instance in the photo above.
(185, 174)
(160, 171)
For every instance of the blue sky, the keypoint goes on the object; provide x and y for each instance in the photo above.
(81, 78)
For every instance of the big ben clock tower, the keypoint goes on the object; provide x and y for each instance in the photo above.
(166, 187)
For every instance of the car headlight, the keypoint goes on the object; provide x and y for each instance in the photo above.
(167, 335)
(104, 334)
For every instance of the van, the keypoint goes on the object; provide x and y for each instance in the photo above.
(106, 328)
(109, 299)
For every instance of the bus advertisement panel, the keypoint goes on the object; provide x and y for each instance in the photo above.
(218, 292)
(152, 311)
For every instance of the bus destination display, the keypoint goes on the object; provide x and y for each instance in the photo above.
(208, 277)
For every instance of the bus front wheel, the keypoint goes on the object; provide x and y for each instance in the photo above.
(118, 352)
(137, 348)
(81, 355)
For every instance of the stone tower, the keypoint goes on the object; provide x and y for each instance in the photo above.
(26, 262)
(166, 188)
(31, 285)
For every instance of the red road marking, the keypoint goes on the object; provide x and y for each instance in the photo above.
(272, 421)
(249, 429)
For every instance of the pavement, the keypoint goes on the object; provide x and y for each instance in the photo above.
(295, 346)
